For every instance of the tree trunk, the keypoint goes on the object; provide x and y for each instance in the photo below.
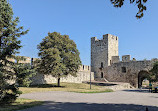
(59, 82)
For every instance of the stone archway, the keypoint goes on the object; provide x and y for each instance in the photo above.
(141, 76)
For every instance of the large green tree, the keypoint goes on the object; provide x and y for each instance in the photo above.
(59, 56)
(9, 45)
(139, 3)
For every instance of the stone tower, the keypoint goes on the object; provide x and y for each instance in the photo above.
(102, 52)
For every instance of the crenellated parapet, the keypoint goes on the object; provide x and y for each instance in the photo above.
(85, 68)
(115, 59)
(31, 61)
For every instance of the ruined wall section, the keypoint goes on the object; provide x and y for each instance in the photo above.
(127, 71)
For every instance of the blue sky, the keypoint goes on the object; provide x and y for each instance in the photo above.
(83, 19)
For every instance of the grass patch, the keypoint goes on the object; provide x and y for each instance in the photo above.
(20, 103)
(69, 87)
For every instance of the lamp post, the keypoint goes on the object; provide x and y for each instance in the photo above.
(90, 79)
(90, 70)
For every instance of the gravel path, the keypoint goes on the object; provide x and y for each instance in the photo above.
(127, 100)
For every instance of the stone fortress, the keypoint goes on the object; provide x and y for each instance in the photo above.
(106, 64)
(83, 74)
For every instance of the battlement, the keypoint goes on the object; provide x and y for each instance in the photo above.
(115, 59)
(85, 68)
(125, 58)
(109, 36)
(106, 37)
(29, 60)
(93, 39)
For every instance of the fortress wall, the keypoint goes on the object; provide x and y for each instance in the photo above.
(126, 71)
(82, 75)
(48, 79)
(28, 60)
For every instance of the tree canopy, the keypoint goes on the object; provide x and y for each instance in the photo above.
(23, 71)
(59, 56)
(154, 72)
(9, 45)
(139, 3)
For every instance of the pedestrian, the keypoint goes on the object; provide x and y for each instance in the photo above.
(150, 87)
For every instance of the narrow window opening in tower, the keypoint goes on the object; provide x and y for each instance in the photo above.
(123, 69)
(102, 75)
(110, 62)
(101, 64)
(88, 67)
(116, 38)
(83, 67)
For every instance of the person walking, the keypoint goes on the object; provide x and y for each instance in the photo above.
(150, 87)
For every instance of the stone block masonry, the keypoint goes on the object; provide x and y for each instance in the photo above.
(48, 79)
(106, 64)
(102, 52)
(82, 75)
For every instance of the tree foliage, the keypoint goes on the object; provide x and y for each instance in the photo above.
(24, 72)
(154, 72)
(59, 56)
(9, 45)
(139, 3)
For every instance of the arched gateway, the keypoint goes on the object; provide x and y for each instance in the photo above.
(133, 72)
(141, 76)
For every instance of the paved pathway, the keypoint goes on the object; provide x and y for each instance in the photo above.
(127, 100)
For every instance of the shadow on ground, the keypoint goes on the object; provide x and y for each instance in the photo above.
(18, 105)
(101, 84)
(65, 106)
(45, 86)
(139, 90)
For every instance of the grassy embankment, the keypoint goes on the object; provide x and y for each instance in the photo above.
(69, 87)
(20, 103)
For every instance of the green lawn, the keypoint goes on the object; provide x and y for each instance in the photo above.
(20, 103)
(69, 87)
